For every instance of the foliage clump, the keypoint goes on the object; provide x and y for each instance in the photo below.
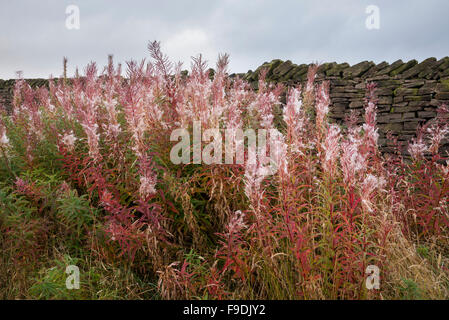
(86, 179)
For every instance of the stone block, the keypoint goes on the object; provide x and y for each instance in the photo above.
(442, 96)
(427, 114)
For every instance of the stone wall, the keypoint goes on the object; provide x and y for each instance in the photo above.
(409, 92)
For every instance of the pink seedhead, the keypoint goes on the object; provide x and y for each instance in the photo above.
(369, 185)
(417, 148)
(231, 244)
(203, 99)
(353, 161)
(88, 97)
(293, 107)
(236, 223)
(331, 147)
(259, 165)
(112, 127)
(62, 96)
(26, 108)
(265, 105)
(262, 108)
(439, 129)
(311, 75)
(27, 188)
(64, 188)
(278, 154)
(322, 104)
(351, 119)
(296, 120)
(254, 175)
(437, 134)
(4, 140)
(147, 186)
(369, 127)
(148, 178)
(445, 168)
(265, 100)
(93, 137)
(69, 140)
(21, 184)
(27, 113)
(134, 108)
(262, 77)
(238, 94)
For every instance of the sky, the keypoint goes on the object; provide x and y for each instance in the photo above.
(34, 36)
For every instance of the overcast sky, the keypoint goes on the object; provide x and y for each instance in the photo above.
(34, 36)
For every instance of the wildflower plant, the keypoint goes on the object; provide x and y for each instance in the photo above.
(87, 170)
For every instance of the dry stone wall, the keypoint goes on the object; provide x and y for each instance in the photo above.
(408, 92)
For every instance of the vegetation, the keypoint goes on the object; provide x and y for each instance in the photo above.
(86, 180)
